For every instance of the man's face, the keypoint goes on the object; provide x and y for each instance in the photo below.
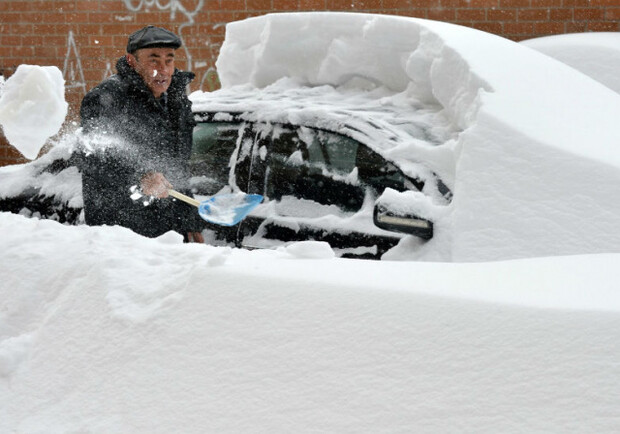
(155, 66)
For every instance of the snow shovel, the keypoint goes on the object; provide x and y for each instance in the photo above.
(222, 209)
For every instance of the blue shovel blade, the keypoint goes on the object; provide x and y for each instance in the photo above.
(228, 209)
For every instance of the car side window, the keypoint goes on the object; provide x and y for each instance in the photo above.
(314, 165)
(214, 144)
(380, 174)
(340, 151)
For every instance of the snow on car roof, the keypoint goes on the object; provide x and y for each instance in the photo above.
(394, 116)
(380, 118)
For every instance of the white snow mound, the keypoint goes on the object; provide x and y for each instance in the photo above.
(32, 107)
(104, 331)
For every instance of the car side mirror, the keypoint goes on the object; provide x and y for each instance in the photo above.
(408, 224)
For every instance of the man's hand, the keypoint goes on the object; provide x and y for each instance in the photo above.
(155, 184)
(195, 237)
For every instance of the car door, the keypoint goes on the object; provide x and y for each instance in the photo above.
(313, 189)
(221, 163)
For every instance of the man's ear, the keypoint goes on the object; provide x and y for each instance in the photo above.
(131, 60)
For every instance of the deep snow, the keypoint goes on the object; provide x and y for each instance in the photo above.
(595, 54)
(104, 331)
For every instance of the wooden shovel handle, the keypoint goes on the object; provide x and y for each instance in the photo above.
(184, 198)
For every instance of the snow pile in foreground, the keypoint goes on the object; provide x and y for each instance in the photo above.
(595, 54)
(535, 167)
(102, 330)
(32, 107)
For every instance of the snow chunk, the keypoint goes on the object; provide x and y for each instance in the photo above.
(310, 250)
(32, 107)
(170, 237)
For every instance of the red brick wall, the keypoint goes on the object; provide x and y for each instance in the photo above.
(85, 37)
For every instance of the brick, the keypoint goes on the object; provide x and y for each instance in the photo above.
(11, 40)
(603, 26)
(561, 14)
(33, 39)
(115, 6)
(612, 14)
(575, 3)
(546, 3)
(548, 28)
(519, 28)
(573, 27)
(55, 6)
(495, 28)
(259, 5)
(87, 5)
(30, 51)
(533, 15)
(232, 5)
(441, 14)
(604, 3)
(12, 17)
(478, 3)
(514, 3)
(285, 5)
(312, 5)
(20, 6)
(587, 14)
(410, 4)
(501, 15)
(471, 15)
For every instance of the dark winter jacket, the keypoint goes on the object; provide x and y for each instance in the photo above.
(127, 134)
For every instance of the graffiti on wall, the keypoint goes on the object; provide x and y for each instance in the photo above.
(208, 80)
(72, 71)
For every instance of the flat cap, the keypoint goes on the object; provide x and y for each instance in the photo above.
(152, 37)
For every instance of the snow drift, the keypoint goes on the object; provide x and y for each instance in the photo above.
(104, 331)
(596, 54)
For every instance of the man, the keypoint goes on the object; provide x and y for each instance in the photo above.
(137, 128)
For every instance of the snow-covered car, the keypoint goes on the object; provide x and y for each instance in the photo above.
(320, 176)
(323, 174)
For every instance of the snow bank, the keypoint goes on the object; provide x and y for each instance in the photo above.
(32, 107)
(595, 54)
(535, 165)
(114, 332)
